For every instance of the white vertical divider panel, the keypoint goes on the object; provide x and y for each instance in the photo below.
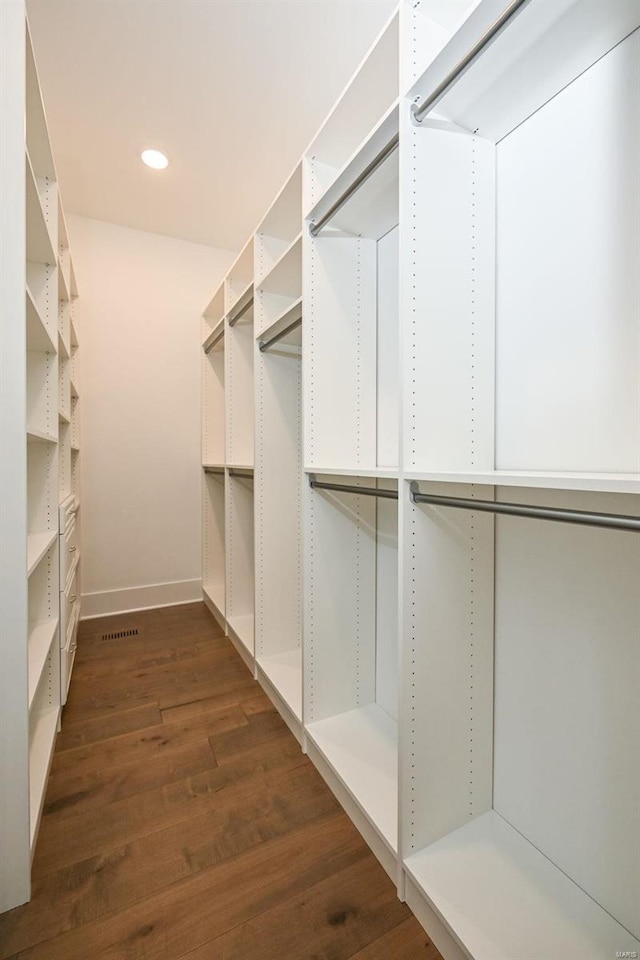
(448, 213)
(568, 285)
(567, 714)
(239, 540)
(339, 345)
(386, 653)
(447, 684)
(278, 503)
(340, 602)
(213, 538)
(213, 400)
(15, 860)
(388, 340)
(239, 392)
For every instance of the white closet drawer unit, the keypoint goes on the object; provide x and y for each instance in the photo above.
(68, 538)
(68, 602)
(68, 652)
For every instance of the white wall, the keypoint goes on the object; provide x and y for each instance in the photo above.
(141, 297)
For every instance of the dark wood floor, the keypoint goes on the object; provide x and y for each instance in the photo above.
(183, 821)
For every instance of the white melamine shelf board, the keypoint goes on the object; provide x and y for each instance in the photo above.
(243, 627)
(242, 466)
(43, 739)
(38, 337)
(74, 283)
(285, 276)
(39, 246)
(215, 466)
(239, 302)
(216, 337)
(37, 135)
(288, 316)
(543, 49)
(373, 209)
(37, 546)
(216, 594)
(74, 389)
(63, 348)
(504, 900)
(597, 482)
(63, 417)
(215, 308)
(361, 746)
(285, 214)
(284, 671)
(41, 636)
(63, 291)
(40, 436)
(75, 448)
(74, 334)
(368, 95)
(382, 473)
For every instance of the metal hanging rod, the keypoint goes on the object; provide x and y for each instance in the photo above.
(265, 344)
(419, 111)
(216, 470)
(348, 488)
(247, 473)
(233, 318)
(585, 517)
(211, 344)
(387, 150)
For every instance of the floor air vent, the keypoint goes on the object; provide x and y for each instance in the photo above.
(119, 634)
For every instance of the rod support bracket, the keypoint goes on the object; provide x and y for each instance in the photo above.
(414, 487)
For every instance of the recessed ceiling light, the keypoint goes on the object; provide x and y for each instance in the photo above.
(154, 159)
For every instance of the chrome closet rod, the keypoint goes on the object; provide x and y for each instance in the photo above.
(419, 111)
(209, 347)
(349, 488)
(387, 150)
(233, 318)
(611, 521)
(265, 344)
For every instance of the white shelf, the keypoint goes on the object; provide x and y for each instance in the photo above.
(216, 466)
(74, 283)
(40, 436)
(75, 447)
(37, 546)
(241, 466)
(373, 209)
(39, 245)
(238, 302)
(216, 337)
(63, 418)
(63, 347)
(597, 482)
(381, 473)
(287, 316)
(361, 746)
(284, 671)
(74, 335)
(41, 747)
(506, 901)
(243, 628)
(216, 594)
(285, 276)
(63, 290)
(41, 636)
(38, 337)
(74, 389)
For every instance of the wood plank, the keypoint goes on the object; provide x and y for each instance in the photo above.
(190, 912)
(113, 880)
(141, 745)
(102, 728)
(69, 839)
(243, 693)
(261, 728)
(408, 941)
(337, 916)
(70, 793)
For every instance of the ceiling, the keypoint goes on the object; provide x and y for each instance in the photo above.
(231, 90)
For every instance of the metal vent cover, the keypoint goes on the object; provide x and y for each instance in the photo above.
(120, 634)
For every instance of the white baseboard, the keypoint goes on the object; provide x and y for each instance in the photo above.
(108, 602)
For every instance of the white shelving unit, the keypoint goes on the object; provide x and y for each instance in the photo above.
(446, 307)
(36, 284)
